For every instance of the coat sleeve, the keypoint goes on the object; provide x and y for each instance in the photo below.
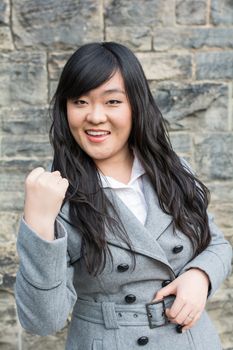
(215, 260)
(44, 289)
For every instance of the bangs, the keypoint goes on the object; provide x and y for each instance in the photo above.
(87, 69)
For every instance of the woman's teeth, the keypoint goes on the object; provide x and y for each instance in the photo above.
(97, 133)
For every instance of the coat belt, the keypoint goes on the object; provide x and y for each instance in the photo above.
(114, 315)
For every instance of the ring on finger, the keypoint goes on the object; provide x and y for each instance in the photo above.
(191, 317)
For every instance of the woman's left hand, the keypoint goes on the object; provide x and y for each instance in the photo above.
(191, 290)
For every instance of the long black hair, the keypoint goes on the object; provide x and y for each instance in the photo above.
(179, 192)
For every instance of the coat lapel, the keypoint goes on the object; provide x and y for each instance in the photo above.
(143, 238)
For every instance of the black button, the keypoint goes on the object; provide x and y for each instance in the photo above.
(177, 249)
(122, 267)
(130, 298)
(165, 283)
(143, 340)
(179, 328)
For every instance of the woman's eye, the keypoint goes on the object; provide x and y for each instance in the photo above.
(79, 102)
(114, 102)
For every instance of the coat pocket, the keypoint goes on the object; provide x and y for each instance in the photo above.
(97, 344)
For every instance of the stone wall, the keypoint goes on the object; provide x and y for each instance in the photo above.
(186, 49)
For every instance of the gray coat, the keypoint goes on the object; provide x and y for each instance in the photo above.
(109, 311)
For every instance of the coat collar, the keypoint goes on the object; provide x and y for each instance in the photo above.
(143, 238)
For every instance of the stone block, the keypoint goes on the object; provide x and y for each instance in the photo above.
(165, 66)
(181, 142)
(4, 12)
(193, 107)
(23, 166)
(11, 181)
(11, 201)
(56, 62)
(135, 38)
(52, 88)
(221, 192)
(221, 12)
(56, 23)
(191, 12)
(214, 65)
(6, 42)
(224, 214)
(8, 225)
(23, 78)
(8, 265)
(191, 38)
(148, 13)
(26, 146)
(30, 120)
(8, 320)
(214, 155)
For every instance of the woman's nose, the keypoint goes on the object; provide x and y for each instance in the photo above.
(96, 115)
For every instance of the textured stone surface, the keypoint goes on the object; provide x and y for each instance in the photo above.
(51, 342)
(181, 142)
(11, 181)
(162, 66)
(221, 191)
(8, 265)
(221, 12)
(136, 38)
(214, 155)
(198, 107)
(56, 23)
(214, 65)
(186, 43)
(6, 42)
(23, 78)
(132, 13)
(8, 321)
(28, 120)
(21, 166)
(224, 214)
(192, 38)
(191, 12)
(8, 226)
(25, 146)
(56, 62)
(4, 12)
(11, 200)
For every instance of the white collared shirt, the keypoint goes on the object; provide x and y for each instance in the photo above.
(132, 193)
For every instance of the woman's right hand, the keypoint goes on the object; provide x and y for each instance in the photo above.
(44, 194)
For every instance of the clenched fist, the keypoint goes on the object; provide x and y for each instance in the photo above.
(44, 194)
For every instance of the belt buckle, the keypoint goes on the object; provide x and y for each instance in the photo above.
(150, 316)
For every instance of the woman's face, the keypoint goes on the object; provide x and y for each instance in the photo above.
(101, 120)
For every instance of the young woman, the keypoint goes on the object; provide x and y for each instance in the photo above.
(118, 231)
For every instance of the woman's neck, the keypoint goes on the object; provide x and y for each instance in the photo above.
(119, 169)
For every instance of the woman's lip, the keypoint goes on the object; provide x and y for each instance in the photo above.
(97, 139)
(98, 130)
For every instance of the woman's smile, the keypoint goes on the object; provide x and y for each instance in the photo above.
(97, 135)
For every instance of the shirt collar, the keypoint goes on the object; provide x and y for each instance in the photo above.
(137, 171)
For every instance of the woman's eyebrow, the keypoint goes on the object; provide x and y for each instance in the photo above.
(110, 91)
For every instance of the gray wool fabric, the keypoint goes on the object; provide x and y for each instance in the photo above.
(52, 281)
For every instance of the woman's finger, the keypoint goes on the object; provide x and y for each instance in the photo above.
(176, 308)
(183, 316)
(192, 323)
